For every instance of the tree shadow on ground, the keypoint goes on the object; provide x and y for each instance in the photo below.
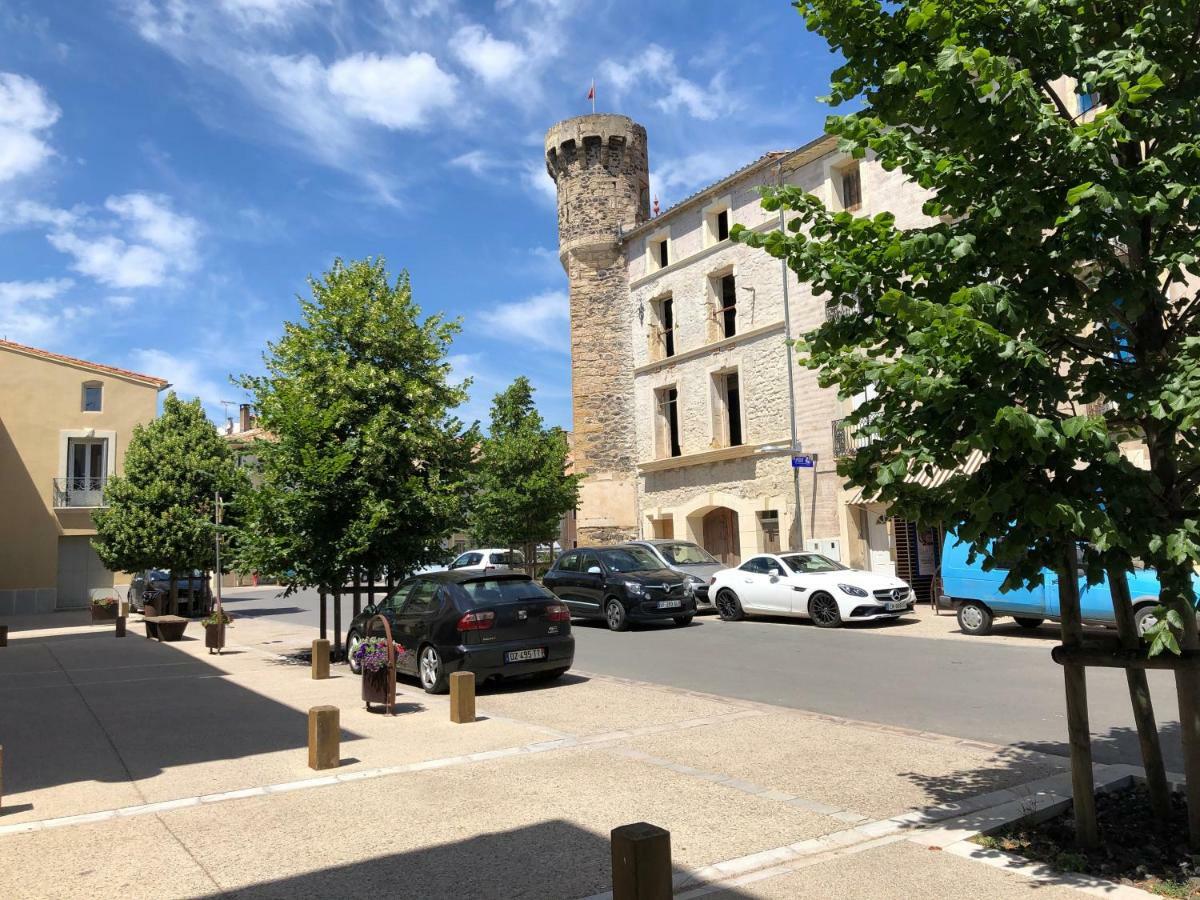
(551, 859)
(1020, 763)
(109, 710)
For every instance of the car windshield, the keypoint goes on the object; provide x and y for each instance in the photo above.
(503, 590)
(629, 559)
(686, 554)
(158, 575)
(811, 562)
(507, 558)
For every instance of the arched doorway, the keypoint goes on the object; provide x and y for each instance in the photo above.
(720, 530)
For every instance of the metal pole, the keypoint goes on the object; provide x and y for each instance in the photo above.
(218, 542)
(787, 333)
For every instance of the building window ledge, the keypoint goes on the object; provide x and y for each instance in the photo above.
(684, 262)
(705, 349)
(709, 456)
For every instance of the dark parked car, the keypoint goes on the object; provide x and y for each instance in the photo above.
(621, 585)
(495, 624)
(154, 586)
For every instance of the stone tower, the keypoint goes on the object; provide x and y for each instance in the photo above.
(600, 165)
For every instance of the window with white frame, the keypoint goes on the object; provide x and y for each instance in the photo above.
(722, 289)
(666, 413)
(849, 181)
(662, 328)
(658, 251)
(727, 409)
(716, 222)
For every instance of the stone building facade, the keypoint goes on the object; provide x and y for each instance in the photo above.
(693, 334)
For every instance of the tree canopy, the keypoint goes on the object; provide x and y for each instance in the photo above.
(363, 462)
(520, 487)
(159, 513)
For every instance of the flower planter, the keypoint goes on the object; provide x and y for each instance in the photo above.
(104, 613)
(375, 686)
(214, 637)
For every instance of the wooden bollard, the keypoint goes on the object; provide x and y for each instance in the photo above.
(324, 737)
(641, 862)
(1, 776)
(320, 659)
(120, 626)
(3, 635)
(462, 697)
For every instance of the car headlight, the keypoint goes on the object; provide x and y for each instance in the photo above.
(636, 589)
(852, 590)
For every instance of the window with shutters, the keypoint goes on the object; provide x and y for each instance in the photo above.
(666, 403)
(727, 409)
(662, 328)
(723, 293)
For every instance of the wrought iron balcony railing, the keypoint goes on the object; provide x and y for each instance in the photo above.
(79, 493)
(846, 439)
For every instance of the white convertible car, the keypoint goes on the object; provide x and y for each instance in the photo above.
(807, 585)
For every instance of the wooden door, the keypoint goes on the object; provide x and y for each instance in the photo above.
(721, 535)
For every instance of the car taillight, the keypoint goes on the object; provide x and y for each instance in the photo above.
(477, 621)
(558, 613)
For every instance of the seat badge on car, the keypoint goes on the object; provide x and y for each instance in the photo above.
(522, 614)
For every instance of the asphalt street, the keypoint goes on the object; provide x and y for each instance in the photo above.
(966, 688)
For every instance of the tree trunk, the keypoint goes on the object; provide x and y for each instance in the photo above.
(1139, 697)
(1083, 787)
(391, 581)
(356, 603)
(371, 586)
(173, 595)
(337, 623)
(324, 616)
(1176, 594)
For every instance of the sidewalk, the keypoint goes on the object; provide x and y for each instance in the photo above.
(182, 774)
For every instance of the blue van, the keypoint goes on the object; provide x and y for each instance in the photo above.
(977, 596)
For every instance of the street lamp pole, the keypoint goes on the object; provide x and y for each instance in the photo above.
(217, 538)
(787, 332)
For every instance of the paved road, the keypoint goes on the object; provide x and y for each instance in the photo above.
(971, 689)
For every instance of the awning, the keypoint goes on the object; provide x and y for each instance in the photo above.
(931, 480)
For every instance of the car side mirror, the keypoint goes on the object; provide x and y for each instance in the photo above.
(595, 570)
(775, 573)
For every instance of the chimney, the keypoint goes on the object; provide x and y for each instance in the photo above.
(245, 420)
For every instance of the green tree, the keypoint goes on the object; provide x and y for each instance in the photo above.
(363, 463)
(1047, 314)
(160, 512)
(520, 488)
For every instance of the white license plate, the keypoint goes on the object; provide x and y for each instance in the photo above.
(670, 604)
(522, 655)
(897, 604)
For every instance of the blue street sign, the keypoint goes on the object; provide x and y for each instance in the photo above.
(802, 461)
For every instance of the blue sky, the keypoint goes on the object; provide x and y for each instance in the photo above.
(172, 170)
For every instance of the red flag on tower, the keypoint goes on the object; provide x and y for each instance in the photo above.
(592, 94)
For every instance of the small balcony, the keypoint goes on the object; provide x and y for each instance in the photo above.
(846, 440)
(79, 493)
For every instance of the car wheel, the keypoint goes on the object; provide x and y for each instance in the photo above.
(1143, 619)
(974, 618)
(614, 615)
(352, 642)
(1028, 621)
(431, 670)
(729, 608)
(824, 612)
(683, 621)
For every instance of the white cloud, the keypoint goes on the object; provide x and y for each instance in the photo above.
(25, 111)
(144, 246)
(26, 213)
(543, 319)
(187, 378)
(478, 162)
(656, 66)
(679, 176)
(25, 315)
(253, 13)
(397, 92)
(540, 184)
(120, 301)
(492, 59)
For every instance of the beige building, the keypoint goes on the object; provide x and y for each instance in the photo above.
(701, 371)
(64, 426)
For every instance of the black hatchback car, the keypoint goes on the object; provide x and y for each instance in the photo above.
(495, 624)
(621, 585)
